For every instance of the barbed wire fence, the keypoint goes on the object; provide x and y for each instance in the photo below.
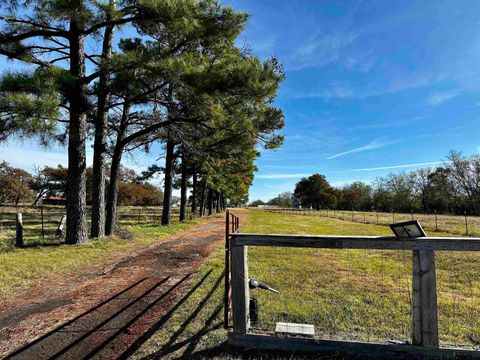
(41, 224)
(464, 225)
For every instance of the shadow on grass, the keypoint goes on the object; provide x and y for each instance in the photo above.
(191, 342)
(208, 314)
(107, 330)
(88, 333)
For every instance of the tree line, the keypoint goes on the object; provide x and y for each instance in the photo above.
(47, 183)
(175, 76)
(452, 188)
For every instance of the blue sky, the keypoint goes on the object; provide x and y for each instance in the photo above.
(372, 87)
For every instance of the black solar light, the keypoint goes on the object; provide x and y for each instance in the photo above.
(408, 229)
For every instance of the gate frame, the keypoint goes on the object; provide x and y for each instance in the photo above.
(424, 301)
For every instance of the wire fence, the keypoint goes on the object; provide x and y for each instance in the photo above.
(452, 224)
(41, 223)
(363, 295)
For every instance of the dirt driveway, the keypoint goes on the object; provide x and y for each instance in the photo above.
(99, 312)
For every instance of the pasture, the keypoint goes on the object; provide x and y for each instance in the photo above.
(358, 294)
(459, 225)
(41, 222)
(347, 294)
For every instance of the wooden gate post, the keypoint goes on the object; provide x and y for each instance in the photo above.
(424, 299)
(240, 289)
(226, 309)
(19, 231)
(61, 226)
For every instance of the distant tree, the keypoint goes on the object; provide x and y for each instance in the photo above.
(402, 189)
(421, 186)
(257, 202)
(357, 196)
(381, 197)
(14, 184)
(53, 181)
(283, 200)
(134, 194)
(315, 191)
(441, 194)
(464, 174)
(49, 181)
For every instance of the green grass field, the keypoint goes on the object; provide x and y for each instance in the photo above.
(347, 294)
(358, 294)
(456, 225)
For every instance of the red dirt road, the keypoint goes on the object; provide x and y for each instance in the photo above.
(101, 311)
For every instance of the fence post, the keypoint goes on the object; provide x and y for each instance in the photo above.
(412, 214)
(19, 231)
(138, 217)
(240, 289)
(424, 299)
(393, 216)
(377, 216)
(352, 214)
(227, 269)
(364, 217)
(61, 226)
(436, 222)
(466, 223)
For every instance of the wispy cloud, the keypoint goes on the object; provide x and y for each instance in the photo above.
(281, 176)
(401, 166)
(375, 144)
(28, 159)
(396, 82)
(438, 98)
(389, 124)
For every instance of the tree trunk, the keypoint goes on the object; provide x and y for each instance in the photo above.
(201, 211)
(183, 190)
(210, 201)
(218, 206)
(167, 192)
(99, 147)
(77, 132)
(194, 193)
(111, 218)
(110, 223)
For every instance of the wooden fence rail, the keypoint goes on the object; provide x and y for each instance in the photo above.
(424, 293)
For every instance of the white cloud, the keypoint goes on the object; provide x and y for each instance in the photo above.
(375, 144)
(401, 166)
(440, 97)
(28, 159)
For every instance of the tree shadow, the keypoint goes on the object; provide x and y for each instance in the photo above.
(183, 345)
(105, 330)
(190, 343)
(86, 334)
